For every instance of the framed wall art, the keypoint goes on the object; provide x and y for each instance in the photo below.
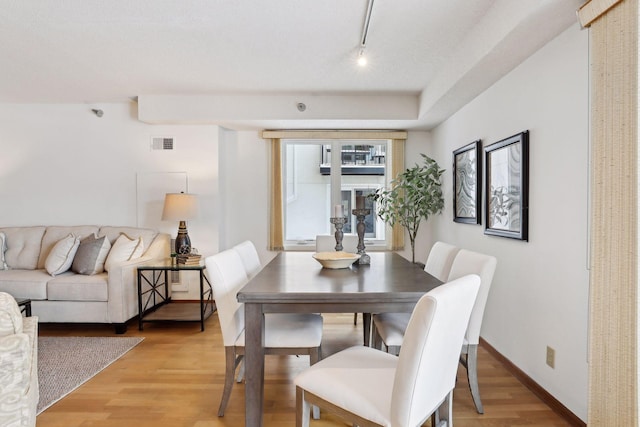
(467, 183)
(507, 187)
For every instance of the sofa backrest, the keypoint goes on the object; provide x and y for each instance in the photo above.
(28, 247)
(54, 234)
(23, 246)
(112, 233)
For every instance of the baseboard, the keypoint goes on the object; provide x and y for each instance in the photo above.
(536, 388)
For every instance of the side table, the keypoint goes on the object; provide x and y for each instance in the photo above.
(25, 306)
(154, 296)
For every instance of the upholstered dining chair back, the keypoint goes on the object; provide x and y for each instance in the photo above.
(469, 262)
(249, 256)
(227, 275)
(428, 360)
(440, 260)
(327, 243)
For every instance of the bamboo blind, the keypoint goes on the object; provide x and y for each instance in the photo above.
(613, 325)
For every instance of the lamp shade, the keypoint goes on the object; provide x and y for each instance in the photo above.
(180, 207)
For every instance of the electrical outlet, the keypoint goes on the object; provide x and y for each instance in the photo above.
(551, 357)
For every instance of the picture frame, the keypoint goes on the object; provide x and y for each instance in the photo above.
(507, 187)
(467, 183)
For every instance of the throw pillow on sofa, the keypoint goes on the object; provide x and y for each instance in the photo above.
(62, 254)
(91, 255)
(3, 249)
(124, 249)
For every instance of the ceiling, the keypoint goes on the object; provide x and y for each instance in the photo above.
(223, 61)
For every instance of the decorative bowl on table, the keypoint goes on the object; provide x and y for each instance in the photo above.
(335, 260)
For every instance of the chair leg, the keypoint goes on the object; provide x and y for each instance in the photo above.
(302, 409)
(240, 375)
(315, 354)
(472, 376)
(355, 319)
(443, 415)
(229, 371)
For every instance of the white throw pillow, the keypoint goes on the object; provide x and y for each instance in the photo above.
(61, 256)
(3, 249)
(124, 249)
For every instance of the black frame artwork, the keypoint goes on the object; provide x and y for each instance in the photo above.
(467, 183)
(507, 187)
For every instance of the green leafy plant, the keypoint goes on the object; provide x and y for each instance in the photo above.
(414, 195)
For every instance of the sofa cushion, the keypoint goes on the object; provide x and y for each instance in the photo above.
(78, 287)
(23, 246)
(10, 316)
(91, 255)
(113, 233)
(31, 284)
(53, 234)
(3, 248)
(124, 249)
(61, 256)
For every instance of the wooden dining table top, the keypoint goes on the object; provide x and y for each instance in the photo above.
(296, 277)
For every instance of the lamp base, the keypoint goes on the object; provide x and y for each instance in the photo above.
(183, 242)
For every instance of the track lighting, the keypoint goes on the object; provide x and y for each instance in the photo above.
(362, 60)
(98, 113)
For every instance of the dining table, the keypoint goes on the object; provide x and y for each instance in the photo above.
(294, 282)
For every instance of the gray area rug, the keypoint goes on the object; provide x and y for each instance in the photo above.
(65, 363)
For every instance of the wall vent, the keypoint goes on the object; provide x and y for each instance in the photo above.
(160, 143)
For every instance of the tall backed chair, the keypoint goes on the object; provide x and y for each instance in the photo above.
(327, 243)
(388, 328)
(368, 387)
(468, 262)
(249, 256)
(292, 334)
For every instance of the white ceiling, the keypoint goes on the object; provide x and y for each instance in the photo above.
(435, 55)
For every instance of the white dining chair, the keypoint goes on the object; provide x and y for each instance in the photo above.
(327, 243)
(465, 262)
(368, 387)
(249, 256)
(388, 328)
(290, 334)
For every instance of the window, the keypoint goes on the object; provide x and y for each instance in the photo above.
(314, 181)
(291, 177)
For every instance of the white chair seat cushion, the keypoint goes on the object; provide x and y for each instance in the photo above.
(290, 331)
(358, 379)
(391, 327)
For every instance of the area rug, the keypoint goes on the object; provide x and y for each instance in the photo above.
(65, 363)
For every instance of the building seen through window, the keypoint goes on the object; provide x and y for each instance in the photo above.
(309, 180)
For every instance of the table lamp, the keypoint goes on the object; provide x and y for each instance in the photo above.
(180, 207)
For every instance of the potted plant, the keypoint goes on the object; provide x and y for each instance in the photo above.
(414, 195)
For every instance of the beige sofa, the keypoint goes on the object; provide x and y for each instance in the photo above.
(106, 297)
(18, 365)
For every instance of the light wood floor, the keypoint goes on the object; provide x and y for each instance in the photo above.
(174, 378)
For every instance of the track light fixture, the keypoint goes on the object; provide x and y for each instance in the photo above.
(362, 59)
(98, 113)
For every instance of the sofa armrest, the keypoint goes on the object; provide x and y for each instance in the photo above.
(19, 376)
(123, 284)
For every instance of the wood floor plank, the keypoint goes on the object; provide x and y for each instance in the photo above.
(175, 377)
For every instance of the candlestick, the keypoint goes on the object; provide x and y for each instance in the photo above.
(360, 228)
(359, 202)
(338, 222)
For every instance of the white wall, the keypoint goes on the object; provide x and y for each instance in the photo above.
(539, 296)
(62, 165)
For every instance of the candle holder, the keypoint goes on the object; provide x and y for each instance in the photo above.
(339, 223)
(360, 214)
